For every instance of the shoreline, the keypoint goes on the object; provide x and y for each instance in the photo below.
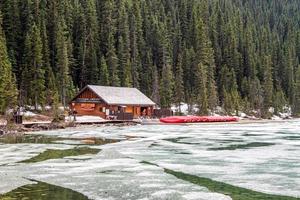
(242, 121)
(21, 129)
(43, 126)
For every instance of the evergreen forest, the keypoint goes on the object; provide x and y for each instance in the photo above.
(241, 55)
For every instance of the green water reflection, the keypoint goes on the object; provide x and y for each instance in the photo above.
(236, 193)
(56, 154)
(42, 191)
(44, 139)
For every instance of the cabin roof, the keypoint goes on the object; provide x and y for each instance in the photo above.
(119, 95)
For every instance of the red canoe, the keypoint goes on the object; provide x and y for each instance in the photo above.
(198, 119)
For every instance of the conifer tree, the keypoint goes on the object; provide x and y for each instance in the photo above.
(147, 75)
(13, 33)
(135, 56)
(178, 85)
(166, 87)
(279, 100)
(90, 42)
(289, 75)
(256, 95)
(106, 23)
(123, 44)
(206, 57)
(201, 90)
(50, 80)
(230, 95)
(8, 90)
(112, 61)
(227, 104)
(155, 96)
(66, 88)
(34, 69)
(104, 74)
(296, 105)
(138, 43)
(236, 99)
(267, 84)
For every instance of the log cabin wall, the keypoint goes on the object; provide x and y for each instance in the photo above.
(93, 109)
(87, 94)
(87, 103)
(90, 109)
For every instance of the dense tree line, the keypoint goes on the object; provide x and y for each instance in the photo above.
(239, 54)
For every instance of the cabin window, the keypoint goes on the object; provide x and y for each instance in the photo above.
(102, 109)
(129, 109)
(88, 106)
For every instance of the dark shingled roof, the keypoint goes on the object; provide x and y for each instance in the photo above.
(120, 95)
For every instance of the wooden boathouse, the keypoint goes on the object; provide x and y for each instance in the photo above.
(112, 102)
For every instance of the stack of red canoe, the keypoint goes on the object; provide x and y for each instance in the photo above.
(198, 119)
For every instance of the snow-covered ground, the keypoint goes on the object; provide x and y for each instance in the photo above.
(186, 109)
(3, 122)
(222, 152)
(86, 119)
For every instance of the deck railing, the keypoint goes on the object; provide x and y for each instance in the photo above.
(124, 116)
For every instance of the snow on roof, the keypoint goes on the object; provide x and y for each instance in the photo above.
(121, 95)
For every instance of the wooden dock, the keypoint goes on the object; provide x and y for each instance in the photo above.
(49, 124)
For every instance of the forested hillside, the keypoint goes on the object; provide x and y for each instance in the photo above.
(239, 54)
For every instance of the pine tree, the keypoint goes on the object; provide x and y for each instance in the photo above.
(178, 85)
(124, 64)
(52, 96)
(289, 75)
(123, 45)
(138, 50)
(201, 91)
(106, 23)
(65, 83)
(206, 57)
(230, 96)
(155, 96)
(267, 85)
(279, 100)
(166, 87)
(104, 75)
(236, 99)
(8, 90)
(147, 75)
(38, 83)
(13, 32)
(227, 101)
(50, 80)
(296, 105)
(90, 43)
(256, 95)
(34, 72)
(112, 61)
(135, 56)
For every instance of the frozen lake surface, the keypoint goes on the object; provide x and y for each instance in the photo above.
(263, 157)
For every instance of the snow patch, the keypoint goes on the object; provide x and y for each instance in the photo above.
(89, 119)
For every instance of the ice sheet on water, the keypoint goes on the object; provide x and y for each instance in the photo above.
(266, 168)
(108, 132)
(105, 176)
(13, 153)
(117, 172)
